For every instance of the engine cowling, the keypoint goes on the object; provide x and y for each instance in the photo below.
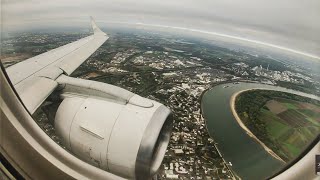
(112, 128)
(123, 139)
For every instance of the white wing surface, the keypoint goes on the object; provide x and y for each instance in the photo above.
(34, 78)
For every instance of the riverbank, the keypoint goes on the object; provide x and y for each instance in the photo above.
(249, 158)
(244, 127)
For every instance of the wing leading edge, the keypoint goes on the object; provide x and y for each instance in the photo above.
(34, 78)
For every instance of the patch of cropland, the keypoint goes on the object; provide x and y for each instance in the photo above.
(175, 71)
(285, 122)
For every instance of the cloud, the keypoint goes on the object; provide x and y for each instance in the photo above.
(293, 24)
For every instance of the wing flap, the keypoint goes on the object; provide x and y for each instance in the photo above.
(51, 73)
(34, 91)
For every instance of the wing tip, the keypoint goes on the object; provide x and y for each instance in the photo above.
(95, 28)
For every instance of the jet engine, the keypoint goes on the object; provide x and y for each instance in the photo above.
(112, 128)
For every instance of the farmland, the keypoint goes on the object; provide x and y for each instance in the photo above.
(286, 123)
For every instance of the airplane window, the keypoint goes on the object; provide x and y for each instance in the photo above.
(170, 89)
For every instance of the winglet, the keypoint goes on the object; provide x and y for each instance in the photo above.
(95, 28)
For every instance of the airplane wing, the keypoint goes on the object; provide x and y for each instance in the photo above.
(34, 78)
(104, 125)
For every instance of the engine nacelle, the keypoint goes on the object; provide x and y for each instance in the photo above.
(122, 138)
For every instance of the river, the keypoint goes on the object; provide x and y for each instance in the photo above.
(249, 159)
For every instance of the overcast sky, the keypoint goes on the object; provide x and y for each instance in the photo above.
(292, 25)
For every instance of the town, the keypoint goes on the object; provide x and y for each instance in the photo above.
(174, 71)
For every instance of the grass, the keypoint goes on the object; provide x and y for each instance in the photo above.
(295, 151)
(290, 105)
(310, 113)
(311, 117)
(289, 124)
(275, 128)
(308, 132)
(292, 140)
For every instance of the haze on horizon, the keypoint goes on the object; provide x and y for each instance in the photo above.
(290, 25)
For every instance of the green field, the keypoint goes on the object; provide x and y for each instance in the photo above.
(293, 137)
(292, 134)
(285, 123)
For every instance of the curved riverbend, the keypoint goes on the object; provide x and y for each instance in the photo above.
(247, 130)
(251, 159)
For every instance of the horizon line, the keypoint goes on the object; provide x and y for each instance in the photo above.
(298, 52)
(234, 37)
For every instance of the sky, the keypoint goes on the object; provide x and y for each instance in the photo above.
(290, 25)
